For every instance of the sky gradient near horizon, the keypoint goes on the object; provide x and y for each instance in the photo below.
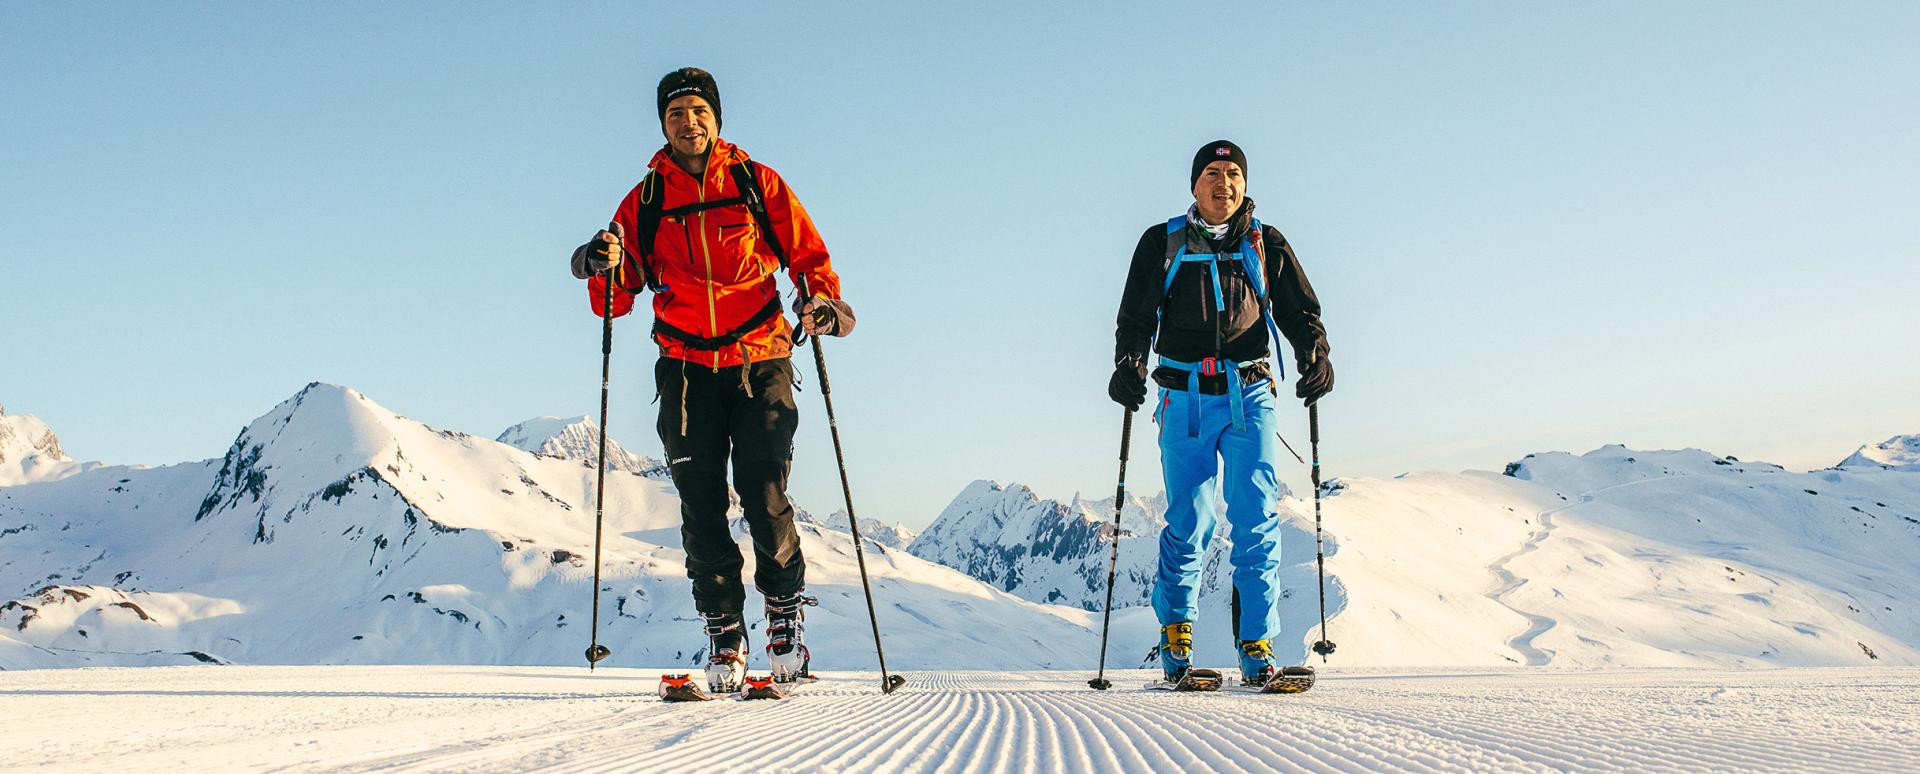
(1533, 227)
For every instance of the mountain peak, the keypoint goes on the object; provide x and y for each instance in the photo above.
(29, 451)
(1901, 452)
(576, 438)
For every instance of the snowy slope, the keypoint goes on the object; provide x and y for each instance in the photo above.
(334, 531)
(577, 438)
(29, 451)
(1616, 557)
(517, 719)
(1901, 452)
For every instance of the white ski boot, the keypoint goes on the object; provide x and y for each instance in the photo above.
(786, 640)
(727, 652)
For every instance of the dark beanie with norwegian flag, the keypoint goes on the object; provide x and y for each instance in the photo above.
(1218, 150)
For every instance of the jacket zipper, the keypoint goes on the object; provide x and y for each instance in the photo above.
(713, 318)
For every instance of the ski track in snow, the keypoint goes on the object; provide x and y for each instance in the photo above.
(1537, 624)
(550, 718)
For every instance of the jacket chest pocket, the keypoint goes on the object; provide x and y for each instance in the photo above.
(735, 249)
(1192, 305)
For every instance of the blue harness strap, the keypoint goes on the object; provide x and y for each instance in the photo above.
(1250, 264)
(1212, 366)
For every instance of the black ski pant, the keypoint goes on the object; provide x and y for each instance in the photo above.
(707, 418)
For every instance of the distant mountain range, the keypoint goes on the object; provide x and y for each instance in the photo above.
(334, 531)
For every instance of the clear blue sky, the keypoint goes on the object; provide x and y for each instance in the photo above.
(1533, 226)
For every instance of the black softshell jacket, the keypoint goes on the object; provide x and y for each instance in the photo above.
(1185, 315)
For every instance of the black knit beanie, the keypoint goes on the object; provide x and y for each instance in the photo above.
(685, 81)
(1218, 150)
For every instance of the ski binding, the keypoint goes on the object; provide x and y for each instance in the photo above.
(681, 687)
(1293, 679)
(1193, 680)
(763, 688)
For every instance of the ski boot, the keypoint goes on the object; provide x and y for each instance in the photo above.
(1258, 670)
(726, 652)
(1256, 662)
(1176, 660)
(786, 641)
(1176, 651)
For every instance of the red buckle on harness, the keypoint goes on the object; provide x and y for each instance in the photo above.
(1210, 367)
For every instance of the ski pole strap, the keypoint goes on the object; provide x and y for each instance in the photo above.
(1211, 366)
(728, 339)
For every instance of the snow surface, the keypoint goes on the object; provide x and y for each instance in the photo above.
(442, 718)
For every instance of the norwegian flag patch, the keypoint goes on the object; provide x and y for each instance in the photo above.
(1222, 151)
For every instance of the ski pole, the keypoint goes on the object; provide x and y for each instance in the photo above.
(1100, 681)
(888, 682)
(1323, 646)
(595, 651)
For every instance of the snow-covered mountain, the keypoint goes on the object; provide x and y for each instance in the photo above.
(333, 531)
(29, 451)
(577, 438)
(1615, 557)
(1901, 452)
(1043, 550)
(896, 535)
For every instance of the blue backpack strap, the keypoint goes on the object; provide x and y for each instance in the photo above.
(1177, 254)
(1257, 274)
(1176, 250)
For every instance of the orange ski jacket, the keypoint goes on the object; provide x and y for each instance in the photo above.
(716, 268)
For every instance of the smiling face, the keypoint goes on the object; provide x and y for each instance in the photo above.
(690, 126)
(1219, 191)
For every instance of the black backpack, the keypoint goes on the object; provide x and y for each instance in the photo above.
(648, 222)
(649, 217)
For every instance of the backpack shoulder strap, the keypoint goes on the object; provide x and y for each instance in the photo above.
(749, 185)
(1176, 247)
(647, 222)
(1253, 258)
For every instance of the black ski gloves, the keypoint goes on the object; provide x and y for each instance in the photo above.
(824, 316)
(1316, 378)
(599, 254)
(1128, 387)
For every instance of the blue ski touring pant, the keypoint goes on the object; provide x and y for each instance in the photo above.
(1191, 457)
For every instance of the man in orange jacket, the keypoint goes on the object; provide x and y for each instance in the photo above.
(707, 230)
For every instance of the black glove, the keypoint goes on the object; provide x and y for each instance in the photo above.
(597, 255)
(1128, 387)
(1316, 378)
(830, 316)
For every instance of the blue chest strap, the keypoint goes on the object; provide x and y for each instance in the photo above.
(1251, 264)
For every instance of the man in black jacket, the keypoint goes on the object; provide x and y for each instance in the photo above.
(1213, 284)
